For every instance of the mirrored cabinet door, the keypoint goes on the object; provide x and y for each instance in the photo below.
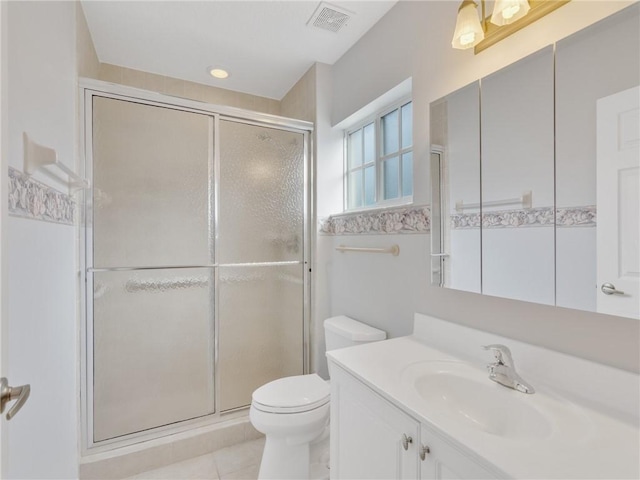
(586, 73)
(455, 127)
(517, 180)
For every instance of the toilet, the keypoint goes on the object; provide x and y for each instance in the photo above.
(293, 412)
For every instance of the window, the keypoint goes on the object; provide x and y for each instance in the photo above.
(379, 154)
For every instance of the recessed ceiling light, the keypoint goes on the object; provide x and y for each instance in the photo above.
(218, 72)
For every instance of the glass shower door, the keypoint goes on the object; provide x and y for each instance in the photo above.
(260, 253)
(150, 269)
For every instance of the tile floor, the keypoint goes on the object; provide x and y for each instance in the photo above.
(240, 462)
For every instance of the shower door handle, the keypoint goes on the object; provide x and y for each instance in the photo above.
(7, 394)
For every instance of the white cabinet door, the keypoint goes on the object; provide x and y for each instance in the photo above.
(368, 434)
(443, 461)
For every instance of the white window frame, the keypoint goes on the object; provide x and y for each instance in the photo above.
(379, 159)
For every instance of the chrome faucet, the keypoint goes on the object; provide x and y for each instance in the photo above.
(503, 370)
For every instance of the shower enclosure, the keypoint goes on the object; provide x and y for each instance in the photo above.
(196, 261)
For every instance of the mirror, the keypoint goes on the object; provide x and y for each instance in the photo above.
(455, 162)
(517, 180)
(522, 162)
(592, 65)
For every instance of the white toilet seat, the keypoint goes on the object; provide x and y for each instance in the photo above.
(296, 394)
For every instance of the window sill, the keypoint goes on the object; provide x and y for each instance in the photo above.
(406, 202)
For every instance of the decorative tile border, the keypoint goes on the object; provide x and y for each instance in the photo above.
(577, 216)
(465, 220)
(418, 220)
(387, 221)
(31, 199)
(530, 217)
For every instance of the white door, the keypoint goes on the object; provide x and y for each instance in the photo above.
(618, 203)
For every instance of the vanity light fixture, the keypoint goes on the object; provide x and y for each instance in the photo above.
(508, 11)
(469, 32)
(508, 17)
(217, 72)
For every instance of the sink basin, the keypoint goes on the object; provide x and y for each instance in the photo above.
(462, 393)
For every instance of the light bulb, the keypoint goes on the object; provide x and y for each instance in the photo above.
(467, 38)
(509, 12)
(218, 73)
(468, 32)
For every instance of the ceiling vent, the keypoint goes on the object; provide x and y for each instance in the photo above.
(329, 17)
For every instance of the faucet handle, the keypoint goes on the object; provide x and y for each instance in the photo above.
(501, 352)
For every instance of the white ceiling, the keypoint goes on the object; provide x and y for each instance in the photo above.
(266, 45)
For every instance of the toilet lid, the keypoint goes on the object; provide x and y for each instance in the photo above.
(299, 393)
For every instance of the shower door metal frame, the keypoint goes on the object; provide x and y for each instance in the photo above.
(90, 88)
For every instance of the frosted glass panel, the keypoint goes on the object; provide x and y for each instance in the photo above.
(390, 133)
(369, 143)
(370, 185)
(261, 329)
(153, 349)
(407, 174)
(355, 149)
(261, 194)
(391, 178)
(355, 189)
(151, 180)
(407, 125)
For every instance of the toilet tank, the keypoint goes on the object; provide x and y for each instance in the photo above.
(342, 331)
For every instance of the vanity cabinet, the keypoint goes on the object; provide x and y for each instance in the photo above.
(370, 438)
(373, 439)
(442, 460)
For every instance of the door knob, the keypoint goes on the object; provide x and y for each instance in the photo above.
(406, 441)
(610, 289)
(7, 394)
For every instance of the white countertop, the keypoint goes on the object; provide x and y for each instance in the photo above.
(587, 443)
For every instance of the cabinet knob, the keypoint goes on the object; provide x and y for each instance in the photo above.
(423, 451)
(406, 441)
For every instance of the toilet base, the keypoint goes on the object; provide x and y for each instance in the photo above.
(281, 461)
(290, 441)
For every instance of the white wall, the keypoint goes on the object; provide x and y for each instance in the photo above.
(413, 39)
(328, 172)
(41, 292)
